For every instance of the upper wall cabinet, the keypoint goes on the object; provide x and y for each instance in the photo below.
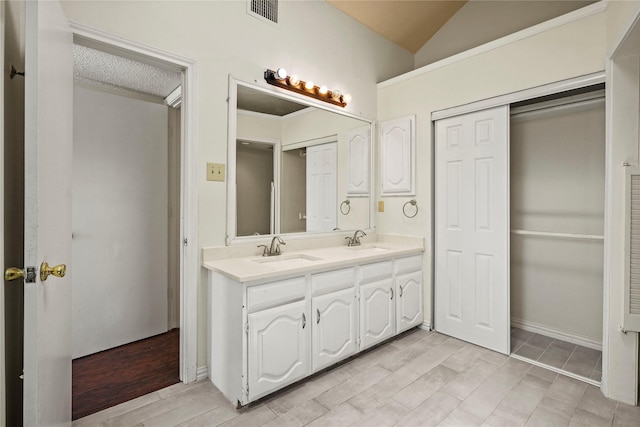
(358, 174)
(397, 149)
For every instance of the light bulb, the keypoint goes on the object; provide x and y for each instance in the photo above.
(309, 85)
(335, 94)
(346, 98)
(323, 90)
(294, 80)
(281, 73)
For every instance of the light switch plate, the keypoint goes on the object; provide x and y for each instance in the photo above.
(215, 172)
(381, 206)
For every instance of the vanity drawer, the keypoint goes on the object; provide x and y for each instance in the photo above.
(376, 271)
(409, 264)
(322, 283)
(275, 293)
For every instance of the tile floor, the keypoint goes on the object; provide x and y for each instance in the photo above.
(559, 354)
(419, 379)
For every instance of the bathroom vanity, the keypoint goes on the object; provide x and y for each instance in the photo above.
(276, 320)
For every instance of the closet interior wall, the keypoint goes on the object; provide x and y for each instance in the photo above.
(557, 181)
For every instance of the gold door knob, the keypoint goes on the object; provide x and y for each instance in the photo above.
(58, 271)
(13, 273)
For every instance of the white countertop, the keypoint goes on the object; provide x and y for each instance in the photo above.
(248, 269)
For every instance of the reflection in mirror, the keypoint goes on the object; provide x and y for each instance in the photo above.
(294, 165)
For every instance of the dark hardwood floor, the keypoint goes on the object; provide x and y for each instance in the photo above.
(123, 373)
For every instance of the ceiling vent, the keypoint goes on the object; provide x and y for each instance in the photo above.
(264, 9)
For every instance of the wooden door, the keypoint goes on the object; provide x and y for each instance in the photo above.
(377, 313)
(279, 348)
(409, 303)
(472, 228)
(334, 327)
(47, 219)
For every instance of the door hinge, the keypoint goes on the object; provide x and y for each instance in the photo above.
(247, 329)
(185, 241)
(246, 391)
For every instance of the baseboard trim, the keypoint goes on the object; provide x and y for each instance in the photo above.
(425, 326)
(554, 333)
(202, 372)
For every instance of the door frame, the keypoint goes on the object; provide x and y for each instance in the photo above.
(3, 415)
(189, 268)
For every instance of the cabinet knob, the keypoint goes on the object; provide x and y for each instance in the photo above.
(304, 320)
(318, 313)
(391, 289)
(400, 291)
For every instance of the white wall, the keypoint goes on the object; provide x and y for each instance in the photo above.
(120, 221)
(480, 21)
(313, 39)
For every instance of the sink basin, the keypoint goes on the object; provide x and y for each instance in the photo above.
(288, 261)
(369, 249)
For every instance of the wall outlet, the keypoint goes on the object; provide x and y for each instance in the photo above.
(215, 172)
(381, 206)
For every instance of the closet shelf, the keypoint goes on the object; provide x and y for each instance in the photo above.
(558, 235)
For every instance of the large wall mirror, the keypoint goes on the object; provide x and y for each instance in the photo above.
(295, 166)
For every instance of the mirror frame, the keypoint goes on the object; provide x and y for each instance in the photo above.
(231, 237)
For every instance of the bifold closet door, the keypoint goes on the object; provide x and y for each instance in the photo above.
(472, 228)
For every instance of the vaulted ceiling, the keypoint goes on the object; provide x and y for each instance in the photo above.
(409, 24)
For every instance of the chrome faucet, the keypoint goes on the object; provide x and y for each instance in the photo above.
(274, 249)
(355, 240)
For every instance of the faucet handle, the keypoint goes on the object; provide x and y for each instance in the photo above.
(264, 250)
(349, 241)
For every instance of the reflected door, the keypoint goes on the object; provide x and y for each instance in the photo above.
(472, 228)
(322, 190)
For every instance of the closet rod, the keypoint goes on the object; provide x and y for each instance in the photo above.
(558, 235)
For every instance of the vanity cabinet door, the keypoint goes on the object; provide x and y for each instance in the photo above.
(278, 341)
(409, 312)
(334, 327)
(377, 313)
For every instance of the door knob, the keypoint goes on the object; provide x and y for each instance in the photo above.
(58, 271)
(13, 273)
(27, 273)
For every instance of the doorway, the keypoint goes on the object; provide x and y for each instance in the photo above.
(125, 218)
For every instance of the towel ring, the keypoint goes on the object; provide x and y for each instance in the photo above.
(345, 210)
(411, 202)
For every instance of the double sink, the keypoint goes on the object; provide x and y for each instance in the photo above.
(303, 260)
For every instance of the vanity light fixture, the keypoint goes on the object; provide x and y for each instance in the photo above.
(293, 83)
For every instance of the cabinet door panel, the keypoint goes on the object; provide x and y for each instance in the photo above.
(278, 348)
(377, 314)
(334, 327)
(409, 303)
(397, 146)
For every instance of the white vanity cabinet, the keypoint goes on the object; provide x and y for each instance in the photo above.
(409, 307)
(270, 332)
(377, 308)
(334, 312)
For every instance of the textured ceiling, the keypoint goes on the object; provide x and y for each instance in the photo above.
(104, 70)
(261, 102)
(409, 24)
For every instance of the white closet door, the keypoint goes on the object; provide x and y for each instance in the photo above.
(322, 187)
(472, 228)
